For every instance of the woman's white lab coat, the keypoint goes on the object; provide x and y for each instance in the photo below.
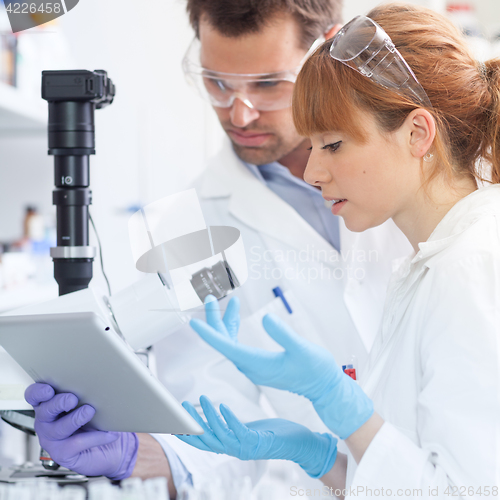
(434, 370)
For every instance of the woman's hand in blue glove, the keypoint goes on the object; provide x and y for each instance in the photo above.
(289, 369)
(303, 367)
(262, 440)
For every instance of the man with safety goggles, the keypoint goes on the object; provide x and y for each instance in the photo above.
(249, 82)
(303, 262)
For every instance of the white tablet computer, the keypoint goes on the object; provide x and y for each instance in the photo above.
(79, 353)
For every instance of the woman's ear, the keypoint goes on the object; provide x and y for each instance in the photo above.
(332, 31)
(422, 131)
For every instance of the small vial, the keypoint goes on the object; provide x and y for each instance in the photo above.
(72, 493)
(351, 368)
(156, 488)
(132, 489)
(20, 492)
(46, 490)
(103, 490)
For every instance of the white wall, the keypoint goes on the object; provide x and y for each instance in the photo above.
(354, 8)
(487, 11)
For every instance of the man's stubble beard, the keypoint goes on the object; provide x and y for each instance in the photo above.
(264, 155)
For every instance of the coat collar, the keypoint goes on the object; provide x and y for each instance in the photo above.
(482, 202)
(257, 206)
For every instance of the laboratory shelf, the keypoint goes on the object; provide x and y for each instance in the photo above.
(21, 114)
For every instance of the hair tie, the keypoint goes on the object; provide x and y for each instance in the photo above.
(483, 70)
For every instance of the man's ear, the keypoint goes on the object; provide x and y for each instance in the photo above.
(422, 130)
(332, 31)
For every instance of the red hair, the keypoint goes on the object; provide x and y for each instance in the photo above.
(465, 94)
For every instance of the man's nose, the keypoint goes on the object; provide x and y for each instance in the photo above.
(241, 115)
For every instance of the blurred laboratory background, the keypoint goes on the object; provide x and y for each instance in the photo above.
(153, 141)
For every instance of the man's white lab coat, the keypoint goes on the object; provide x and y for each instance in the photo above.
(337, 302)
(434, 369)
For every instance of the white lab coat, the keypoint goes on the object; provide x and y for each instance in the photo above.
(337, 302)
(434, 370)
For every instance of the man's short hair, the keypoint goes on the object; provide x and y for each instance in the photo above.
(234, 18)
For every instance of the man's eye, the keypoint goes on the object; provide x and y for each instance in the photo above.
(332, 147)
(215, 85)
(220, 85)
(266, 84)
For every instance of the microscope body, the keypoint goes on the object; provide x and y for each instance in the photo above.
(73, 96)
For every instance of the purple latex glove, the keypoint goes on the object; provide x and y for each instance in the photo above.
(88, 452)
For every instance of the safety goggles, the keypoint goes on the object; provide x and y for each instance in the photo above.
(365, 47)
(261, 91)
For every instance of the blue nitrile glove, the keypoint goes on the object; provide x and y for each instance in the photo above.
(88, 452)
(303, 367)
(273, 438)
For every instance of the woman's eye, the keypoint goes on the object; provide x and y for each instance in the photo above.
(332, 147)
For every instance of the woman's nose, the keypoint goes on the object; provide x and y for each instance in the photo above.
(315, 173)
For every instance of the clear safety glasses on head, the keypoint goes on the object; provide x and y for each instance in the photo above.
(365, 47)
(261, 91)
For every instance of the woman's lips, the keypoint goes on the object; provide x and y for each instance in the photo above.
(337, 206)
(248, 139)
